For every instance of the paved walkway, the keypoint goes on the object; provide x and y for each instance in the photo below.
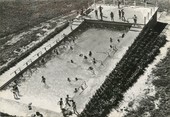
(130, 11)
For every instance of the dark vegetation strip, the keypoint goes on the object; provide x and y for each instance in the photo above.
(162, 87)
(127, 71)
(29, 51)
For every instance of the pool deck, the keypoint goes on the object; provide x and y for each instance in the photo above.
(130, 11)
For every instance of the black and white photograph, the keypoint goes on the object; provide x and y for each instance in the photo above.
(84, 58)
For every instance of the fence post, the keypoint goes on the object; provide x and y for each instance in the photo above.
(151, 11)
(156, 4)
(26, 63)
(15, 72)
(144, 20)
(20, 71)
(145, 4)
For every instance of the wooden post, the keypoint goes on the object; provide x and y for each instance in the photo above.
(145, 4)
(156, 3)
(148, 15)
(144, 20)
(15, 72)
(151, 11)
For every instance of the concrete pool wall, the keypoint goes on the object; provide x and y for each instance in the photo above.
(99, 24)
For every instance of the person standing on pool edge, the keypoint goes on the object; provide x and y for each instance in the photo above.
(101, 13)
(112, 16)
(120, 14)
(135, 20)
(123, 15)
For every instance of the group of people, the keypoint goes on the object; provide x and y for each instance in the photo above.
(90, 58)
(118, 40)
(69, 102)
(81, 87)
(37, 114)
(121, 13)
(100, 12)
